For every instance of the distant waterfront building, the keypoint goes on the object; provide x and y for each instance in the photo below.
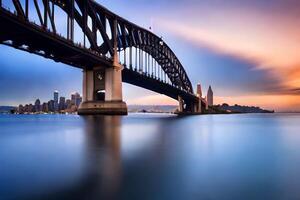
(76, 99)
(68, 104)
(73, 97)
(20, 109)
(210, 97)
(55, 98)
(26, 108)
(199, 90)
(37, 106)
(45, 107)
(30, 108)
(51, 106)
(62, 103)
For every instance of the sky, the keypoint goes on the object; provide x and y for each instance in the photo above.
(248, 51)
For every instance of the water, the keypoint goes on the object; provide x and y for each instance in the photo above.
(255, 156)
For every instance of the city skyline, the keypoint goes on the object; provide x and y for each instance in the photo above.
(56, 104)
(252, 61)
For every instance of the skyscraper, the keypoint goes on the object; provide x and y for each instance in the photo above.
(62, 103)
(37, 106)
(76, 99)
(199, 90)
(73, 97)
(68, 104)
(210, 97)
(55, 98)
(45, 107)
(51, 105)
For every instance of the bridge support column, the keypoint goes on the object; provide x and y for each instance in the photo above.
(88, 86)
(102, 92)
(107, 87)
(197, 106)
(195, 109)
(206, 104)
(180, 104)
(200, 105)
(113, 84)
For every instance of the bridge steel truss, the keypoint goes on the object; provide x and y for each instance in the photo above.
(147, 60)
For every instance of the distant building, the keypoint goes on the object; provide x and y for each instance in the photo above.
(199, 90)
(45, 107)
(21, 109)
(37, 106)
(30, 108)
(68, 104)
(51, 106)
(76, 99)
(73, 97)
(210, 97)
(62, 103)
(26, 108)
(55, 98)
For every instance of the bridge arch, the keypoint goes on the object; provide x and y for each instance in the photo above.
(148, 61)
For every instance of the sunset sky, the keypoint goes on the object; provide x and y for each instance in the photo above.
(249, 51)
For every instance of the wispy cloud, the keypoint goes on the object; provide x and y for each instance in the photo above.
(270, 41)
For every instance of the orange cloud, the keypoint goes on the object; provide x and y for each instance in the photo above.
(271, 41)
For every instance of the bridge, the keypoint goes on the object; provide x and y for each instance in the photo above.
(111, 50)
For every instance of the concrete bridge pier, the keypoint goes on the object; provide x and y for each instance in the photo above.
(102, 87)
(190, 107)
(196, 108)
(199, 106)
(102, 92)
(186, 107)
(180, 104)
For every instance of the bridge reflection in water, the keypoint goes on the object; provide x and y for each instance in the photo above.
(108, 147)
(89, 157)
(103, 139)
(111, 147)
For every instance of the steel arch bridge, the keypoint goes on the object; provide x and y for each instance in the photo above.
(148, 62)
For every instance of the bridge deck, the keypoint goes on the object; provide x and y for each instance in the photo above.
(45, 43)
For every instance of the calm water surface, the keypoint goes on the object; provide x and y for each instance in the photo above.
(151, 157)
